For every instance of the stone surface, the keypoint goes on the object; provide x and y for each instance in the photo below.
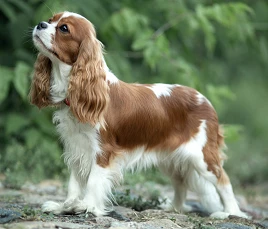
(42, 225)
(159, 224)
(7, 216)
(233, 226)
(28, 201)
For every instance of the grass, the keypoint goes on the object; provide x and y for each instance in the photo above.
(137, 203)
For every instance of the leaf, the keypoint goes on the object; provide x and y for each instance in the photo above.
(8, 10)
(21, 80)
(263, 47)
(43, 120)
(217, 93)
(32, 137)
(22, 5)
(206, 27)
(128, 22)
(233, 132)
(6, 75)
(142, 40)
(15, 123)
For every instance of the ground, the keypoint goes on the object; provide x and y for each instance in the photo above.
(21, 209)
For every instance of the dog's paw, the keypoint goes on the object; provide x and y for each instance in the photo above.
(187, 208)
(219, 215)
(242, 215)
(96, 211)
(224, 215)
(51, 206)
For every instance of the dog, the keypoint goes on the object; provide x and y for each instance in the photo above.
(108, 126)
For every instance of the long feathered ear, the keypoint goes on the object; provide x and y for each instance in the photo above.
(40, 87)
(88, 89)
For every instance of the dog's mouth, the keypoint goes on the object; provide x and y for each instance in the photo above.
(38, 40)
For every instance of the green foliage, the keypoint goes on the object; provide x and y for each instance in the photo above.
(214, 46)
(137, 203)
(153, 175)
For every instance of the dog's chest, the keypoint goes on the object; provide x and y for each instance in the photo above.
(81, 143)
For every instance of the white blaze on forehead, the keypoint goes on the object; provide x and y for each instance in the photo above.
(68, 14)
(160, 89)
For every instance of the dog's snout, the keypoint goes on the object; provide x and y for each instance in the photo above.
(42, 25)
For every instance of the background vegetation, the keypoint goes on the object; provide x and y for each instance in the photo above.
(218, 47)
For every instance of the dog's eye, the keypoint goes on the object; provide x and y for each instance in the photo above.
(49, 21)
(64, 28)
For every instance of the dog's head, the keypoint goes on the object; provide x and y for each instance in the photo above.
(70, 39)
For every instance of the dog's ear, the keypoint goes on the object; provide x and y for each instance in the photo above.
(40, 87)
(88, 89)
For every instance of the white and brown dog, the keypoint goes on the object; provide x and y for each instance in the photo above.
(108, 126)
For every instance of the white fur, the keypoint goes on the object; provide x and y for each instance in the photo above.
(161, 89)
(81, 144)
(110, 77)
(59, 81)
(201, 99)
(46, 37)
(68, 14)
(229, 201)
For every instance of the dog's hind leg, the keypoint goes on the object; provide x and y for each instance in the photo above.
(225, 190)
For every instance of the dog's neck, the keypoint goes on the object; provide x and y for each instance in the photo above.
(60, 76)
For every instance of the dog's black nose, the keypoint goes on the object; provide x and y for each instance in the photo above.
(42, 25)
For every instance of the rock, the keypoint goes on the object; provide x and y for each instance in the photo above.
(152, 224)
(159, 224)
(105, 220)
(264, 223)
(125, 213)
(124, 225)
(232, 226)
(7, 216)
(42, 225)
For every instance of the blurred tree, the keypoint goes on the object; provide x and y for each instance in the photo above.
(219, 47)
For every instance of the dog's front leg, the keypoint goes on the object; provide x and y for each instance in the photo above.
(98, 190)
(72, 202)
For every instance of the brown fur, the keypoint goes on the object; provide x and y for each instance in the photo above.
(39, 92)
(88, 90)
(136, 117)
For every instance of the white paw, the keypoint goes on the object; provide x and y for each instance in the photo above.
(187, 208)
(219, 215)
(75, 206)
(51, 206)
(184, 208)
(241, 214)
(96, 211)
(224, 215)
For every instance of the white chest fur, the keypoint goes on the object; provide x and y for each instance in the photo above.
(81, 141)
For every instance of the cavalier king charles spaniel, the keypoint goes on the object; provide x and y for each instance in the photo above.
(108, 126)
